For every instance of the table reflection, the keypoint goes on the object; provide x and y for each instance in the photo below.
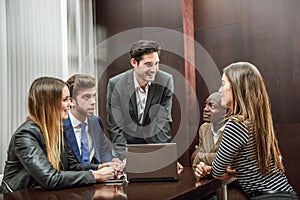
(110, 192)
(96, 192)
(185, 188)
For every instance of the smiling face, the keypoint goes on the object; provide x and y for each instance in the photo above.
(214, 109)
(207, 110)
(226, 92)
(65, 103)
(146, 69)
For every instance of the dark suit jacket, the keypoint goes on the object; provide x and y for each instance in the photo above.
(102, 153)
(123, 115)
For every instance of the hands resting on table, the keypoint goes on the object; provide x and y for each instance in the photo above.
(202, 171)
(115, 170)
(109, 170)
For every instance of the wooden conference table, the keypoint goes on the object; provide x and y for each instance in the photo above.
(185, 188)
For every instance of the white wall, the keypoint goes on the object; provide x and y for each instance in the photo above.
(4, 85)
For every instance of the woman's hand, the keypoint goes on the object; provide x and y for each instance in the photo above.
(104, 173)
(230, 173)
(117, 165)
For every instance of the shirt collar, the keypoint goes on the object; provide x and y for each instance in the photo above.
(220, 129)
(75, 122)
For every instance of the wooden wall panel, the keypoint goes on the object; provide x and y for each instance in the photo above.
(272, 42)
(223, 44)
(165, 13)
(115, 16)
(215, 13)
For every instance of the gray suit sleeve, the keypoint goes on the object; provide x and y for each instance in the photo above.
(115, 120)
(102, 146)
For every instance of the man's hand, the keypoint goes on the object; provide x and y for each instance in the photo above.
(202, 170)
(107, 164)
(117, 160)
(114, 164)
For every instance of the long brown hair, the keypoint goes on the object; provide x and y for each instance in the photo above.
(251, 105)
(44, 107)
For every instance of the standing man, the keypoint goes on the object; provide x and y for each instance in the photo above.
(139, 101)
(84, 130)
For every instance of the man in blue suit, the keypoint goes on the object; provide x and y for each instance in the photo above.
(82, 120)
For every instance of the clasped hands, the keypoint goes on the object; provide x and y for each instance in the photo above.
(109, 170)
(202, 170)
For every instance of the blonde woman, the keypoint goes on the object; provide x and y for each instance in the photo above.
(38, 156)
(249, 144)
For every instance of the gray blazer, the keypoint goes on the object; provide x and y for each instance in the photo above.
(122, 114)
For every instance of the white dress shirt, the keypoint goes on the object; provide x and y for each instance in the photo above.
(217, 134)
(141, 98)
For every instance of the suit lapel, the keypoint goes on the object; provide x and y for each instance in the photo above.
(94, 128)
(149, 97)
(131, 93)
(70, 135)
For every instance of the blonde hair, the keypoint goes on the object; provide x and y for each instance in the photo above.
(44, 107)
(251, 105)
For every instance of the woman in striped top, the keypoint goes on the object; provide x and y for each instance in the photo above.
(249, 145)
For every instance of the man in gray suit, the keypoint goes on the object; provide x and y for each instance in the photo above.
(139, 101)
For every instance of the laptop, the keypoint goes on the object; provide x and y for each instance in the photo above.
(151, 162)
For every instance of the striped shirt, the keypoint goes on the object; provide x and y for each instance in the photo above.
(238, 150)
